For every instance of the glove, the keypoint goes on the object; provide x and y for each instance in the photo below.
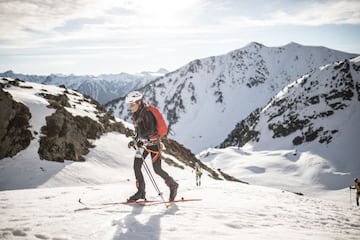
(140, 143)
(129, 133)
(131, 144)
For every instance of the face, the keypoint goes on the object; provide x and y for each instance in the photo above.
(133, 107)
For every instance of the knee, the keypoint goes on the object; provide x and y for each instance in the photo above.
(157, 170)
(137, 163)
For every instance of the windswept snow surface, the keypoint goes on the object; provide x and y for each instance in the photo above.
(228, 210)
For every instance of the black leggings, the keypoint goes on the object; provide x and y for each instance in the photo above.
(156, 166)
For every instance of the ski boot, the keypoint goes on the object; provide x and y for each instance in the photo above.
(138, 195)
(173, 188)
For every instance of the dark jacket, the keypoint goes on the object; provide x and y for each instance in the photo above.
(144, 122)
(357, 187)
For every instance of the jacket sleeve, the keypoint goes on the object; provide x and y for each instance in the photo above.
(356, 186)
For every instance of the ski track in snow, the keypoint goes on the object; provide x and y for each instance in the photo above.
(250, 212)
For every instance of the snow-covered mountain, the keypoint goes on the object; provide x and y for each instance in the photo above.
(49, 207)
(317, 115)
(33, 114)
(228, 210)
(204, 99)
(102, 88)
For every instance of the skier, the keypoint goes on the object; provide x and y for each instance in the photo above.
(147, 138)
(198, 174)
(357, 187)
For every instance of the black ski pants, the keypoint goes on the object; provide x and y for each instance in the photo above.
(138, 162)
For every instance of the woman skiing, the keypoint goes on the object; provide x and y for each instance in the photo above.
(148, 139)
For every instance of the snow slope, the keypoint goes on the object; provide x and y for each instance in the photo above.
(49, 208)
(227, 211)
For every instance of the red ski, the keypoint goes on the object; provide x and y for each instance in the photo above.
(141, 202)
(157, 202)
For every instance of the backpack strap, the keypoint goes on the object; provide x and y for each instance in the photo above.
(157, 153)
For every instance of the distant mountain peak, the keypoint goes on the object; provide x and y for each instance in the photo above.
(162, 70)
(294, 44)
(254, 44)
(217, 92)
(102, 88)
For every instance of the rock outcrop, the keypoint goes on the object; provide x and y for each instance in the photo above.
(14, 123)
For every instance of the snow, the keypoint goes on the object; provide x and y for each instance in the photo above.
(228, 210)
(39, 199)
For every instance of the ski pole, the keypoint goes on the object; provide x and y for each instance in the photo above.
(153, 180)
(154, 183)
(147, 169)
(350, 196)
(151, 177)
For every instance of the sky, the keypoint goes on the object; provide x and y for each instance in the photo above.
(112, 36)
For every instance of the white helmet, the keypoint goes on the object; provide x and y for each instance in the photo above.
(133, 97)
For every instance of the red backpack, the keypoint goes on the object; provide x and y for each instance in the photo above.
(161, 126)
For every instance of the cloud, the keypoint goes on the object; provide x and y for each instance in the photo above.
(41, 20)
(25, 20)
(305, 14)
(333, 12)
(130, 27)
(77, 24)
